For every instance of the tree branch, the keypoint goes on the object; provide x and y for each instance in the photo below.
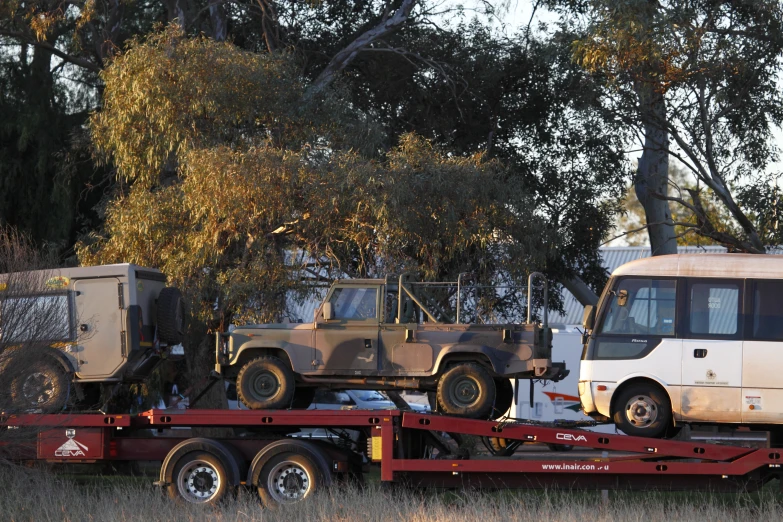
(343, 58)
(51, 48)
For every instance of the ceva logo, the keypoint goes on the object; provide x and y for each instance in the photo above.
(572, 438)
(71, 448)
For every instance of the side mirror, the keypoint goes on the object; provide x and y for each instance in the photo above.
(328, 313)
(588, 320)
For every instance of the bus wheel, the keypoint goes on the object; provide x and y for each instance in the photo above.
(643, 411)
(199, 478)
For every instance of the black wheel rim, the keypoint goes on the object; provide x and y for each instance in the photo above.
(465, 391)
(264, 384)
(37, 388)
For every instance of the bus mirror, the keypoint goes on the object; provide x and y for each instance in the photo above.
(327, 311)
(589, 317)
(622, 298)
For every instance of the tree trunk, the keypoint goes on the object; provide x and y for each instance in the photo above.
(201, 361)
(217, 16)
(652, 175)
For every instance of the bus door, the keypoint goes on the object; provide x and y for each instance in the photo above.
(762, 354)
(712, 351)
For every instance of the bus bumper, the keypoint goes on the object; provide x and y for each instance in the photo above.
(596, 398)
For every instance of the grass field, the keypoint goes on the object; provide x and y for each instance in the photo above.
(28, 495)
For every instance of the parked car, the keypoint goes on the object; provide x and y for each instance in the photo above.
(67, 332)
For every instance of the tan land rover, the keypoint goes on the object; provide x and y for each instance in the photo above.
(382, 334)
(66, 332)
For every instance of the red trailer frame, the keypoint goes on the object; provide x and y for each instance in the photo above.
(287, 469)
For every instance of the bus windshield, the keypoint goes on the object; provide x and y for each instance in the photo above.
(641, 306)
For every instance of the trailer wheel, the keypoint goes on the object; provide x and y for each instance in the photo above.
(560, 447)
(265, 383)
(643, 410)
(288, 478)
(200, 478)
(40, 384)
(170, 315)
(504, 397)
(466, 390)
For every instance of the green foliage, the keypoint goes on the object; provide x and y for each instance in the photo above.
(262, 177)
(715, 67)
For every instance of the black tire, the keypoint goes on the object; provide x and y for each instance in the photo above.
(501, 447)
(170, 315)
(643, 410)
(288, 478)
(560, 447)
(466, 390)
(199, 478)
(432, 400)
(504, 397)
(303, 398)
(42, 384)
(266, 383)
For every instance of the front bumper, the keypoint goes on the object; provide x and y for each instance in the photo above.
(595, 402)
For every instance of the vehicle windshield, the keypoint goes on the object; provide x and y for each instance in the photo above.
(370, 395)
(641, 307)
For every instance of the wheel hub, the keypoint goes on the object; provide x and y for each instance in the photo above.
(641, 411)
(265, 385)
(198, 482)
(289, 482)
(466, 391)
(38, 388)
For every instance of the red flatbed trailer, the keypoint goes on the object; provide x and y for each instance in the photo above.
(286, 469)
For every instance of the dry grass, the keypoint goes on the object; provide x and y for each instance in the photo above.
(37, 496)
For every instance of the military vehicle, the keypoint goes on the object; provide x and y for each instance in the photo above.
(66, 332)
(383, 334)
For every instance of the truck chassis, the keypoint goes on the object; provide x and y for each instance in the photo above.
(285, 469)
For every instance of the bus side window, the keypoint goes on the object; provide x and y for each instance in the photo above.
(714, 307)
(768, 311)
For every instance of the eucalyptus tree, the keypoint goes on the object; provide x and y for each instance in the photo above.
(700, 80)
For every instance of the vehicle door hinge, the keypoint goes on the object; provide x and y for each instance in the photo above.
(123, 344)
(120, 296)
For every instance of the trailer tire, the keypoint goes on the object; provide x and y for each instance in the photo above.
(504, 397)
(170, 315)
(38, 384)
(643, 410)
(466, 390)
(288, 478)
(266, 383)
(200, 478)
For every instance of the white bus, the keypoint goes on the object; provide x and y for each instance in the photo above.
(691, 338)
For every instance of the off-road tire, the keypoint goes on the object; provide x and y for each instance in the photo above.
(41, 384)
(288, 473)
(303, 398)
(170, 315)
(646, 397)
(466, 390)
(266, 383)
(504, 397)
(200, 478)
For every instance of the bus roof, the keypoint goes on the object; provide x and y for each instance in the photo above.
(750, 266)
